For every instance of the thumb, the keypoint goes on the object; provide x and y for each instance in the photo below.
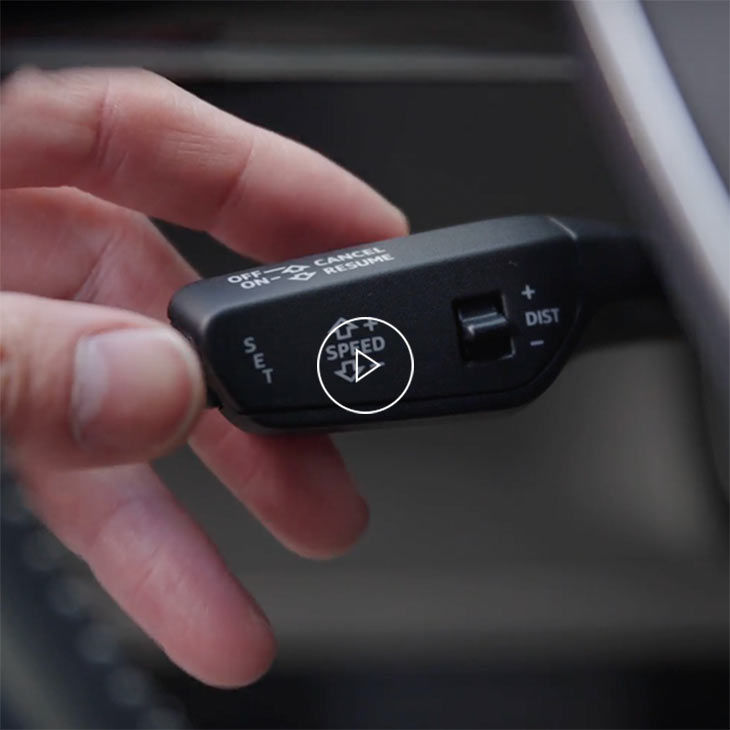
(85, 385)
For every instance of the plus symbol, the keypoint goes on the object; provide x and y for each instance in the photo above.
(528, 291)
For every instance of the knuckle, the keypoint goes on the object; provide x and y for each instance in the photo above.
(236, 188)
(13, 375)
(34, 377)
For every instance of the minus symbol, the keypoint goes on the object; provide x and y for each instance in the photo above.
(537, 343)
(274, 278)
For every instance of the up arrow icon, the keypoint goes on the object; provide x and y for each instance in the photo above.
(364, 365)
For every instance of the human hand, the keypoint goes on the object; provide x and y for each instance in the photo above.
(94, 383)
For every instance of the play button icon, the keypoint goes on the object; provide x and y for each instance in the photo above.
(355, 349)
(365, 365)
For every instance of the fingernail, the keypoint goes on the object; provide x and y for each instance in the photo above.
(135, 391)
(403, 219)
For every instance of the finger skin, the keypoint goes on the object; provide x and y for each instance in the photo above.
(139, 141)
(299, 486)
(159, 566)
(134, 138)
(67, 244)
(62, 404)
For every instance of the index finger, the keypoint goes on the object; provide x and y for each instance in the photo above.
(138, 140)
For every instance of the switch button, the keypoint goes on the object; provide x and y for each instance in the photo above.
(484, 331)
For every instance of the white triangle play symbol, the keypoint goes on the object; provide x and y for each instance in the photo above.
(370, 366)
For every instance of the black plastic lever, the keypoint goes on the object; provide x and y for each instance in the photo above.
(476, 316)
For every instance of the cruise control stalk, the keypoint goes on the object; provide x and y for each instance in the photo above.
(472, 317)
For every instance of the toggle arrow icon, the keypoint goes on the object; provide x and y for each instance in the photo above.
(367, 363)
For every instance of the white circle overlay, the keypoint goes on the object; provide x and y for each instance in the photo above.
(356, 410)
